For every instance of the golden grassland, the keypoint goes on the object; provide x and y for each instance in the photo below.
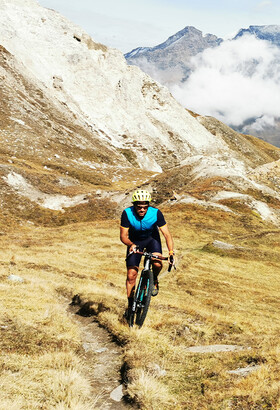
(214, 297)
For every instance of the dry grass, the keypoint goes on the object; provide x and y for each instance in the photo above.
(211, 299)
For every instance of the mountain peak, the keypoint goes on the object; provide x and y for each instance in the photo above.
(188, 34)
(270, 33)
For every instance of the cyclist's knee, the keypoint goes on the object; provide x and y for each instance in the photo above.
(157, 264)
(132, 274)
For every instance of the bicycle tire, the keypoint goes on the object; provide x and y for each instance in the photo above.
(144, 298)
(136, 301)
(131, 316)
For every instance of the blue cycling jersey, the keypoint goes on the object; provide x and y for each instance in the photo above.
(145, 227)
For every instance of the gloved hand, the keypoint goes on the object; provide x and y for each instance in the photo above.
(133, 248)
(171, 260)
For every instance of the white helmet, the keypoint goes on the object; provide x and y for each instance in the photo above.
(141, 195)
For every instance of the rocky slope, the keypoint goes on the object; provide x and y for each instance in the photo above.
(119, 102)
(80, 129)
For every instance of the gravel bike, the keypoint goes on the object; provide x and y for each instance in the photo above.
(143, 293)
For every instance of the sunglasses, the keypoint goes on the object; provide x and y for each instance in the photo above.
(142, 206)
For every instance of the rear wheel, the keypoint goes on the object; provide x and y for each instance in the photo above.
(144, 294)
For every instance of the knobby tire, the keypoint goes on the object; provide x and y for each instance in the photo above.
(145, 292)
(131, 316)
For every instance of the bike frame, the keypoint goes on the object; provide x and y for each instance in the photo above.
(143, 290)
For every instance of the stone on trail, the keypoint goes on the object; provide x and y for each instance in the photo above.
(117, 393)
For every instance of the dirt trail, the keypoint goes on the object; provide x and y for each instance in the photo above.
(103, 361)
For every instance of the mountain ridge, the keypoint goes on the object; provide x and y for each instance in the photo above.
(187, 31)
(176, 51)
(269, 33)
(86, 129)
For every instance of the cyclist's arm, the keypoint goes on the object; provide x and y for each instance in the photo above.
(124, 232)
(124, 237)
(168, 238)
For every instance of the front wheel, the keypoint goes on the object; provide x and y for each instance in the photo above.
(144, 294)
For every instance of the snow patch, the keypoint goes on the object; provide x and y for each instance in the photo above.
(54, 202)
(147, 162)
(89, 164)
(228, 195)
(187, 199)
(265, 212)
(17, 120)
(216, 165)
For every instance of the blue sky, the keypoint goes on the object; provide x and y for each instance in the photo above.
(127, 24)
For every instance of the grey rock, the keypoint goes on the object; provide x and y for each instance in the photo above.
(244, 371)
(15, 278)
(214, 348)
(101, 350)
(223, 245)
(117, 393)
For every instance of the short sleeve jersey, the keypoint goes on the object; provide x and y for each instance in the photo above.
(142, 228)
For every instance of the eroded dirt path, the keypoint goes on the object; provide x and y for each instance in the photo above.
(103, 360)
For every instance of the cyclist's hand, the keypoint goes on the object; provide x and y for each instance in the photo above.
(133, 248)
(171, 260)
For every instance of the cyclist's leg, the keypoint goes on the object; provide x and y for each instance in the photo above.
(132, 264)
(154, 246)
(157, 266)
(132, 272)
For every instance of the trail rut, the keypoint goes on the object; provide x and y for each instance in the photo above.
(103, 359)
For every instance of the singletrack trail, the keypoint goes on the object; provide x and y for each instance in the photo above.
(103, 364)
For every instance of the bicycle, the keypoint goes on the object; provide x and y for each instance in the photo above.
(143, 293)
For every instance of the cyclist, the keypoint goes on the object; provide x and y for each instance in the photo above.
(140, 225)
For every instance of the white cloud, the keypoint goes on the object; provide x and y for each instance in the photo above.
(261, 123)
(264, 4)
(235, 82)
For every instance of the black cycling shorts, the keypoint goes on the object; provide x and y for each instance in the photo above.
(150, 244)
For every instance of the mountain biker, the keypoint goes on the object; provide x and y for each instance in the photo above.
(140, 225)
